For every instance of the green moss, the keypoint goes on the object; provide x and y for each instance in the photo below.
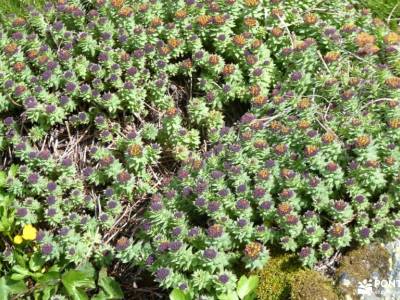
(310, 285)
(284, 278)
(359, 264)
(275, 277)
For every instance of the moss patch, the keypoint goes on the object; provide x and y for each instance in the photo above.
(275, 278)
(284, 278)
(310, 285)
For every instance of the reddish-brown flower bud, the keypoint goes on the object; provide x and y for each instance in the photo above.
(117, 3)
(394, 123)
(337, 230)
(363, 141)
(239, 40)
(11, 48)
(181, 14)
(253, 250)
(311, 150)
(135, 150)
(303, 124)
(284, 208)
(213, 59)
(392, 38)
(331, 56)
(263, 174)
(250, 22)
(328, 138)
(363, 39)
(393, 82)
(304, 103)
(310, 19)
(203, 20)
(252, 3)
(277, 31)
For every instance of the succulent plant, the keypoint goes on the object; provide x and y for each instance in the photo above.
(312, 167)
(98, 97)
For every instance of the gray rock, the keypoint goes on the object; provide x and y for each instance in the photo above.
(388, 288)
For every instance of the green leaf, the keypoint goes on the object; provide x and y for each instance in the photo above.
(36, 262)
(49, 278)
(88, 270)
(16, 287)
(48, 292)
(3, 179)
(247, 285)
(7, 217)
(18, 276)
(230, 296)
(36, 276)
(20, 259)
(54, 268)
(13, 170)
(36, 294)
(251, 296)
(75, 282)
(177, 294)
(109, 285)
(10, 287)
(21, 270)
(100, 296)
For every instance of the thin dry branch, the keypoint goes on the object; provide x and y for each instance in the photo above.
(286, 27)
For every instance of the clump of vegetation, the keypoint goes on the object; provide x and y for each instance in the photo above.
(101, 99)
(312, 168)
(17, 7)
(95, 95)
(276, 277)
(310, 284)
(387, 10)
(283, 277)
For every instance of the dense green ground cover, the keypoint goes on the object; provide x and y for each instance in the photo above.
(107, 105)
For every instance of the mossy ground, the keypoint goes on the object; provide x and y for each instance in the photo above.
(284, 278)
(275, 278)
(311, 285)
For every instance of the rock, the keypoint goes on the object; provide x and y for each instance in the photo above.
(360, 269)
(389, 285)
(345, 280)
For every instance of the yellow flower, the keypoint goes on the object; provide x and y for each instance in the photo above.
(29, 232)
(18, 239)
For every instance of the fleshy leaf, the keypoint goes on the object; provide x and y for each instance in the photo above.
(110, 286)
(247, 285)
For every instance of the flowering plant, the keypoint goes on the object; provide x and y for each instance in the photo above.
(312, 169)
(97, 97)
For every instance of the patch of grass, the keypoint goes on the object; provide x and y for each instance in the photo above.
(18, 6)
(385, 8)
